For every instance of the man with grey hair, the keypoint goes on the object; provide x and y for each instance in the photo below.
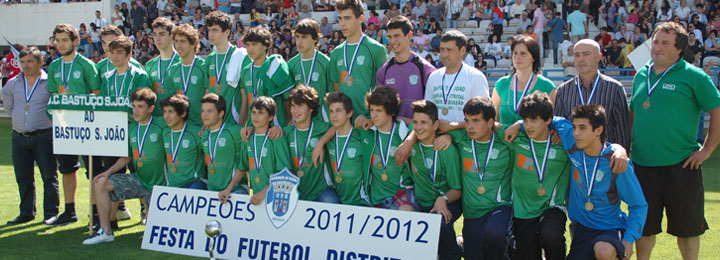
(592, 87)
(26, 97)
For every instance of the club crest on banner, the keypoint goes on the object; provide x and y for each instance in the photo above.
(282, 197)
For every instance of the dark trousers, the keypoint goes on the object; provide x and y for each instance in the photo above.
(448, 248)
(26, 151)
(490, 236)
(544, 233)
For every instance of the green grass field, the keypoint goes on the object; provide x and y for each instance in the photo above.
(37, 241)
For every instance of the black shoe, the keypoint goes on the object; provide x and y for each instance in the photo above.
(63, 219)
(20, 219)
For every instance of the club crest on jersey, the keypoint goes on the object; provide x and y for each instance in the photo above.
(340, 63)
(153, 137)
(298, 77)
(77, 74)
(361, 60)
(413, 79)
(221, 142)
(599, 176)
(154, 73)
(668, 86)
(390, 81)
(352, 152)
(313, 142)
(194, 79)
(282, 197)
(315, 76)
(185, 143)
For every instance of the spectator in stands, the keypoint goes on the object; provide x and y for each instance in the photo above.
(393, 11)
(255, 17)
(664, 13)
(84, 40)
(433, 27)
(421, 40)
(695, 49)
(524, 23)
(623, 60)
(371, 4)
(138, 15)
(117, 18)
(480, 63)
(435, 41)
(682, 11)
(530, 31)
(698, 33)
(497, 20)
(493, 50)
(507, 50)
(325, 27)
(292, 16)
(473, 47)
(99, 21)
(700, 13)
(517, 9)
(638, 35)
(453, 9)
(611, 54)
(578, 25)
(568, 63)
(557, 29)
(336, 39)
(603, 38)
(198, 20)
(95, 38)
(633, 17)
(611, 12)
(305, 13)
(715, 23)
(419, 10)
(712, 49)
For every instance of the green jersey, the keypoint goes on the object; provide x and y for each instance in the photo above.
(386, 177)
(148, 150)
(158, 70)
(262, 158)
(434, 173)
(189, 80)
(184, 152)
(349, 166)
(665, 133)
(314, 73)
(223, 152)
(76, 77)
(216, 66)
(506, 89)
(530, 196)
(312, 179)
(354, 67)
(106, 65)
(114, 84)
(485, 186)
(272, 79)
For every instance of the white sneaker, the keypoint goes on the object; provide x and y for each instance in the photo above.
(99, 238)
(123, 214)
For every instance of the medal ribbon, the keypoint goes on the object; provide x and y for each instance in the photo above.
(651, 89)
(214, 145)
(308, 79)
(592, 93)
(167, 70)
(301, 156)
(219, 69)
(29, 96)
(540, 171)
(141, 144)
(591, 181)
(352, 62)
(174, 148)
(339, 157)
(442, 85)
(382, 155)
(186, 80)
(516, 102)
(62, 71)
(434, 167)
(258, 159)
(122, 83)
(487, 157)
(256, 86)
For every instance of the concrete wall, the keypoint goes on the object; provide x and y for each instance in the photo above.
(32, 24)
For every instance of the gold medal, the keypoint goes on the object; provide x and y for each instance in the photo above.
(173, 169)
(445, 111)
(200, 133)
(161, 90)
(300, 173)
(27, 107)
(140, 164)
(338, 179)
(349, 82)
(589, 206)
(257, 179)
(646, 104)
(212, 170)
(384, 176)
(481, 189)
(541, 191)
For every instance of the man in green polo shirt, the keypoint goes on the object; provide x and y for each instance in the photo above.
(71, 74)
(159, 67)
(188, 77)
(148, 158)
(183, 145)
(668, 96)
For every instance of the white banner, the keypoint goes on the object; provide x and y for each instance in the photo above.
(177, 218)
(100, 133)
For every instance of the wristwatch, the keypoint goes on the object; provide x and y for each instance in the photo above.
(445, 197)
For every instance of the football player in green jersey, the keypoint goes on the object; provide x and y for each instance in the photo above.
(71, 74)
(183, 147)
(219, 27)
(159, 67)
(108, 34)
(126, 77)
(188, 77)
(148, 159)
(310, 66)
(436, 175)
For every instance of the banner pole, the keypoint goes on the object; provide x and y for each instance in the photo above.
(90, 204)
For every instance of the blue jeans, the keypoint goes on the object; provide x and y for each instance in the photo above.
(452, 24)
(26, 151)
(328, 196)
(556, 46)
(241, 190)
(447, 245)
(196, 185)
(96, 47)
(235, 9)
(489, 236)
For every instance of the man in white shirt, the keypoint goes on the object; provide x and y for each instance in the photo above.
(99, 21)
(517, 9)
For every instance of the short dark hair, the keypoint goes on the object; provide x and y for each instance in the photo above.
(121, 42)
(258, 34)
(400, 22)
(302, 94)
(179, 102)
(143, 94)
(681, 35)
(532, 45)
(426, 107)
(536, 105)
(480, 105)
(355, 5)
(110, 30)
(162, 22)
(219, 101)
(66, 28)
(454, 35)
(266, 103)
(309, 26)
(339, 97)
(387, 97)
(31, 51)
(225, 21)
(595, 114)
